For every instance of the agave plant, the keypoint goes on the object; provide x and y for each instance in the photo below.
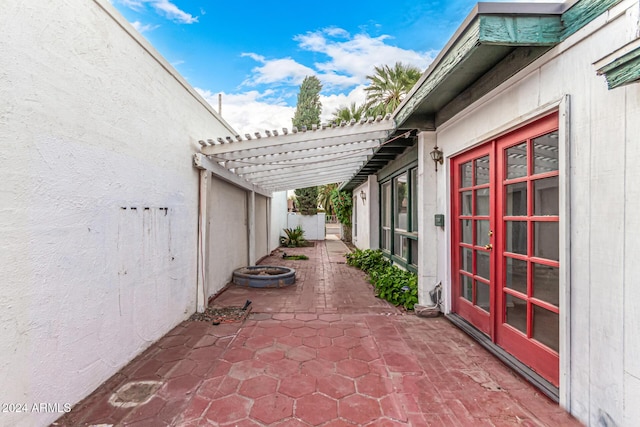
(294, 237)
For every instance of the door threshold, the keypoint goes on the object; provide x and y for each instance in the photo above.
(548, 389)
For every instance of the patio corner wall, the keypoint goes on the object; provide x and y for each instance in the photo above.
(313, 225)
(99, 199)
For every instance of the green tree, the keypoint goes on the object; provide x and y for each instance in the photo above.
(324, 197)
(348, 113)
(388, 87)
(309, 106)
(308, 200)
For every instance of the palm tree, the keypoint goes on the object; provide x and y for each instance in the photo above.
(348, 113)
(388, 87)
(324, 197)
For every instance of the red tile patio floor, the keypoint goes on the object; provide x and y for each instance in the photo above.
(324, 352)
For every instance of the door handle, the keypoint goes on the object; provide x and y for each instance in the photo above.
(488, 247)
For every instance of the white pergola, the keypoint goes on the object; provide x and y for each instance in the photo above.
(301, 158)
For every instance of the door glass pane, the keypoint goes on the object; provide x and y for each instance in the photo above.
(516, 274)
(516, 237)
(545, 192)
(466, 258)
(414, 200)
(517, 313)
(402, 202)
(482, 230)
(516, 204)
(467, 231)
(483, 266)
(546, 281)
(465, 202)
(546, 243)
(545, 327)
(482, 201)
(482, 170)
(466, 288)
(517, 161)
(482, 296)
(545, 153)
(465, 175)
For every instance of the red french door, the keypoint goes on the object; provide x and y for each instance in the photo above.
(506, 251)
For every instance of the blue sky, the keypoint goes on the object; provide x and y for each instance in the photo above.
(256, 53)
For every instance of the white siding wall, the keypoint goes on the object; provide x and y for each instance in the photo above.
(92, 124)
(228, 246)
(604, 226)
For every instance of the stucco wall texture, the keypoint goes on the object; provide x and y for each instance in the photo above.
(98, 199)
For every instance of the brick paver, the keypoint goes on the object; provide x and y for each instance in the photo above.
(324, 352)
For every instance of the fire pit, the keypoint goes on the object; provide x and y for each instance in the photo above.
(264, 276)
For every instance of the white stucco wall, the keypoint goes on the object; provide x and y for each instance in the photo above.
(313, 225)
(262, 225)
(278, 218)
(98, 201)
(228, 246)
(366, 214)
(600, 370)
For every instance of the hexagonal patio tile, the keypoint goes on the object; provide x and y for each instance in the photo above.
(282, 368)
(304, 332)
(237, 355)
(228, 409)
(333, 354)
(272, 408)
(317, 342)
(256, 343)
(297, 385)
(276, 332)
(258, 386)
(374, 385)
(359, 409)
(357, 332)
(247, 369)
(301, 354)
(317, 368)
(316, 409)
(269, 354)
(364, 353)
(346, 342)
(331, 332)
(352, 368)
(216, 388)
(336, 386)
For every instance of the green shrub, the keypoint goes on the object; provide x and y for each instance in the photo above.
(294, 237)
(397, 286)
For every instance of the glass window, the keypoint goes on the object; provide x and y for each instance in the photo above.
(414, 199)
(385, 238)
(545, 153)
(401, 208)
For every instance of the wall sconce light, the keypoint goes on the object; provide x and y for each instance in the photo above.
(436, 156)
(363, 196)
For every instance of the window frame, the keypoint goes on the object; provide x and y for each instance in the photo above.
(411, 261)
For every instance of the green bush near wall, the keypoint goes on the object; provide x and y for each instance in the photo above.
(391, 283)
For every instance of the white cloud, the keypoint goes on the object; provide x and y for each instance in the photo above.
(172, 12)
(163, 7)
(274, 81)
(282, 71)
(251, 111)
(349, 60)
(142, 28)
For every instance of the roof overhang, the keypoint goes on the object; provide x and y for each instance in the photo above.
(496, 41)
(300, 158)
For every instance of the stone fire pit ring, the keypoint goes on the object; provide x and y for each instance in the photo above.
(264, 276)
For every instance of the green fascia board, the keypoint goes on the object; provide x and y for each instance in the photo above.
(583, 12)
(521, 30)
(623, 70)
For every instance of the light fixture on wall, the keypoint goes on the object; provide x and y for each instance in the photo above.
(436, 156)
(363, 196)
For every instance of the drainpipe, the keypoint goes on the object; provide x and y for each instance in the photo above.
(201, 297)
